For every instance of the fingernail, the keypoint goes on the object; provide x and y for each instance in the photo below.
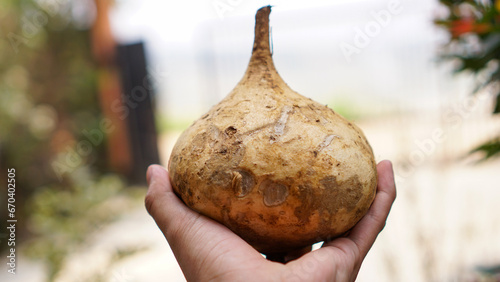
(150, 173)
(391, 165)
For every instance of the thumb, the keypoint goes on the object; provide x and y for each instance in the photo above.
(193, 238)
(163, 205)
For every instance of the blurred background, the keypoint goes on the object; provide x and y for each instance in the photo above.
(92, 92)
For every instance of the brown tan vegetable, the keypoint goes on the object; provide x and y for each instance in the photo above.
(277, 168)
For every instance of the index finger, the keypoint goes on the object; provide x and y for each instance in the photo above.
(367, 229)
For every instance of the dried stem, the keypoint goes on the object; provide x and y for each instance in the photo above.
(261, 53)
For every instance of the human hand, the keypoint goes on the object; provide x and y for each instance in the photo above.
(208, 251)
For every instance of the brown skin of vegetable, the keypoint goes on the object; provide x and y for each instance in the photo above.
(278, 169)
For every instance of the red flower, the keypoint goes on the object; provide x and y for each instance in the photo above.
(466, 25)
(461, 26)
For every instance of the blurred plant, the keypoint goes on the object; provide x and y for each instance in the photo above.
(474, 29)
(62, 219)
(48, 88)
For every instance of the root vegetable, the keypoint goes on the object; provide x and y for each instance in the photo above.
(278, 169)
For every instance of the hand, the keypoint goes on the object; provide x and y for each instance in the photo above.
(208, 251)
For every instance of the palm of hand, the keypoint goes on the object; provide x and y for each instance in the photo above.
(208, 251)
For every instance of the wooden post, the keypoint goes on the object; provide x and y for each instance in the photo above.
(104, 51)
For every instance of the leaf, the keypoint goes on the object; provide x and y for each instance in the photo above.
(496, 110)
(489, 270)
(480, 61)
(490, 149)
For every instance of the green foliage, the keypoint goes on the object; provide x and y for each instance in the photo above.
(474, 29)
(62, 218)
(489, 273)
(489, 149)
(48, 90)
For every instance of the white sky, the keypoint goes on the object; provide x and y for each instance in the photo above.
(176, 21)
(200, 49)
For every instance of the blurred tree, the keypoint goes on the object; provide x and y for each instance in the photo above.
(51, 127)
(474, 29)
(48, 88)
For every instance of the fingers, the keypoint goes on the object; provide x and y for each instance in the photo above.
(367, 229)
(197, 242)
(161, 202)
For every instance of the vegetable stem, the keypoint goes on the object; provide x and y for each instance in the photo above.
(261, 53)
